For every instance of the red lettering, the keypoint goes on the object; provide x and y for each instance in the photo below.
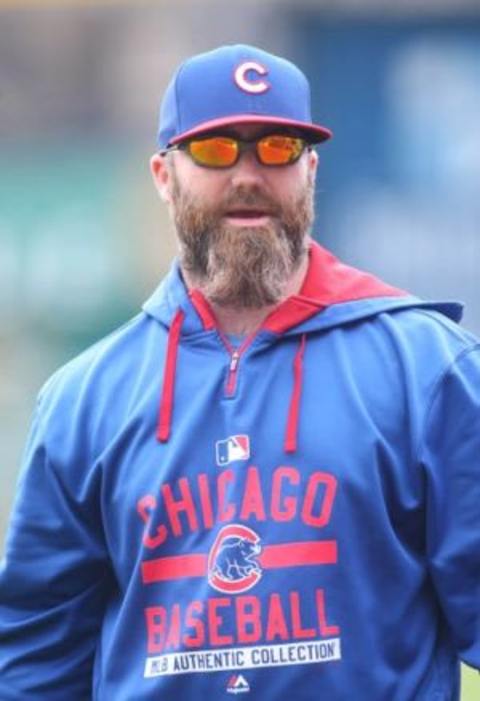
(156, 621)
(191, 621)
(215, 621)
(276, 626)
(325, 629)
(205, 501)
(145, 506)
(173, 636)
(252, 503)
(249, 627)
(192, 505)
(212, 622)
(297, 630)
(330, 485)
(286, 509)
(226, 511)
(175, 507)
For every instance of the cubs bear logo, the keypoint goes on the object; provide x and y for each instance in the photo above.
(232, 563)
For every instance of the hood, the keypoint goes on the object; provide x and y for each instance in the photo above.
(332, 294)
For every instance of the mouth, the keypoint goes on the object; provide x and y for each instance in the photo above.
(247, 217)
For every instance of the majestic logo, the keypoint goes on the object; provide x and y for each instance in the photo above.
(237, 684)
(232, 563)
(243, 77)
(232, 449)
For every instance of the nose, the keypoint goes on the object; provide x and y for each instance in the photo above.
(247, 169)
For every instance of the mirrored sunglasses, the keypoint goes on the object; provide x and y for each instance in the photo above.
(224, 151)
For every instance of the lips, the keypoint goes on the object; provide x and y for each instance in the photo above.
(250, 207)
(247, 213)
(248, 217)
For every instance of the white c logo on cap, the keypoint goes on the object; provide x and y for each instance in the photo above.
(256, 87)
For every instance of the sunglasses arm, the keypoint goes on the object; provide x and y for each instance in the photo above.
(175, 147)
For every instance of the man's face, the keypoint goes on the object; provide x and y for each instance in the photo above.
(243, 231)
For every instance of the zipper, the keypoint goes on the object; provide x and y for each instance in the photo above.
(232, 373)
(235, 355)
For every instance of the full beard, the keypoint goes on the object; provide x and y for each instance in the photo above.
(242, 267)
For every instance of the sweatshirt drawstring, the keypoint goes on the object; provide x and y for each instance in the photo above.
(290, 445)
(168, 390)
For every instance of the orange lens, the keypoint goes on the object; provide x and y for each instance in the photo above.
(216, 152)
(278, 150)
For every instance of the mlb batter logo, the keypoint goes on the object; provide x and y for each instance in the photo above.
(232, 449)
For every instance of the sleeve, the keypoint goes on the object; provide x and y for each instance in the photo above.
(54, 579)
(451, 459)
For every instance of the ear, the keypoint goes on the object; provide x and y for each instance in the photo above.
(161, 177)
(312, 163)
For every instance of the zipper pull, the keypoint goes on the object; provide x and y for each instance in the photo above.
(234, 361)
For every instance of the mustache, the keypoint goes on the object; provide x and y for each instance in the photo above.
(252, 197)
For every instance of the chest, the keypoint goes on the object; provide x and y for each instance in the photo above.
(225, 464)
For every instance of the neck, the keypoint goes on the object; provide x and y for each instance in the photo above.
(244, 321)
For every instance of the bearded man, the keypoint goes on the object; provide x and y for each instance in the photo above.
(267, 483)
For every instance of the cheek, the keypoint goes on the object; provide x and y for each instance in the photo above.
(204, 185)
(291, 183)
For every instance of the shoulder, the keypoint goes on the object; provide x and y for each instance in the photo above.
(86, 400)
(432, 353)
(427, 333)
(104, 361)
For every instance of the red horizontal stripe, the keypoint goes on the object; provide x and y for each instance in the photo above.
(178, 567)
(296, 554)
(272, 557)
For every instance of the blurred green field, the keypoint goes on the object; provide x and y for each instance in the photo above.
(470, 685)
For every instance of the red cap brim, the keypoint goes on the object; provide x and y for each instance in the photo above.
(313, 133)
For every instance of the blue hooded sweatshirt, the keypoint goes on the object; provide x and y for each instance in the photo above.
(294, 518)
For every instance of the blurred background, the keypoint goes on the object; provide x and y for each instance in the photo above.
(83, 237)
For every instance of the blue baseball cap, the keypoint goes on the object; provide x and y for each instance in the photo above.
(236, 85)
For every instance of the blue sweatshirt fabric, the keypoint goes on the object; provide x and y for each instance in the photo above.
(295, 518)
